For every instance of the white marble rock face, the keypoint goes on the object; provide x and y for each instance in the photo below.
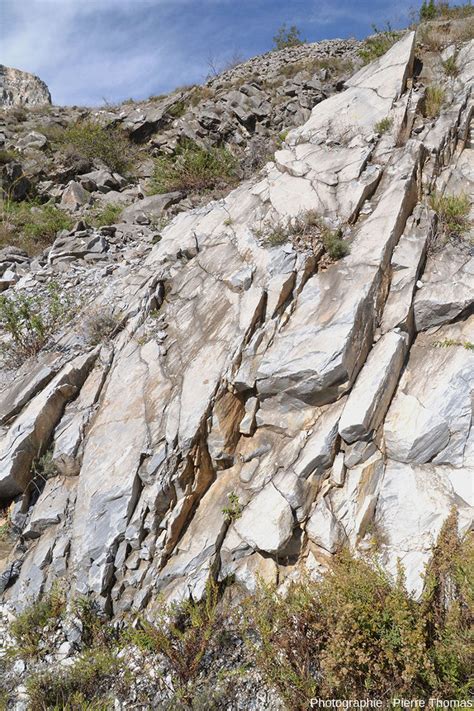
(256, 407)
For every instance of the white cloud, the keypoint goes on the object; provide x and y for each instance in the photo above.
(90, 49)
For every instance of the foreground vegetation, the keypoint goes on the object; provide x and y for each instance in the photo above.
(354, 633)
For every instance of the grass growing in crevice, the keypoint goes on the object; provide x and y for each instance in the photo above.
(305, 232)
(193, 168)
(449, 342)
(453, 214)
(383, 125)
(434, 99)
(450, 66)
(100, 326)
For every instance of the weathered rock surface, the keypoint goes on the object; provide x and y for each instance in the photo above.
(261, 404)
(19, 88)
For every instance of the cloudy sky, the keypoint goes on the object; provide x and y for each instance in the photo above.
(91, 51)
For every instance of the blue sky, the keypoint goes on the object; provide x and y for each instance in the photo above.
(89, 51)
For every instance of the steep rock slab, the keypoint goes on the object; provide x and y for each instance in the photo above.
(172, 381)
(336, 182)
(324, 529)
(370, 397)
(353, 503)
(29, 381)
(413, 503)
(29, 434)
(318, 354)
(448, 289)
(267, 522)
(51, 506)
(69, 435)
(430, 415)
(407, 260)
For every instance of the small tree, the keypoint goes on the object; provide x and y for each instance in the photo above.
(287, 37)
(428, 10)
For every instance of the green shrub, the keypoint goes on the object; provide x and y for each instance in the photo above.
(377, 45)
(31, 225)
(233, 510)
(356, 633)
(6, 156)
(428, 10)
(44, 467)
(383, 125)
(287, 37)
(108, 215)
(89, 679)
(453, 213)
(30, 627)
(177, 110)
(92, 141)
(182, 633)
(193, 168)
(434, 98)
(30, 321)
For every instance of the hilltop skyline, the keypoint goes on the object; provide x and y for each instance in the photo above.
(95, 51)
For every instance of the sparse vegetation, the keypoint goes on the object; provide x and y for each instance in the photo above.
(449, 342)
(194, 168)
(233, 510)
(334, 65)
(30, 627)
(450, 66)
(434, 98)
(44, 467)
(177, 109)
(453, 214)
(100, 326)
(383, 125)
(93, 141)
(287, 37)
(182, 634)
(31, 225)
(431, 10)
(6, 156)
(108, 215)
(75, 687)
(30, 321)
(357, 633)
(375, 46)
(305, 231)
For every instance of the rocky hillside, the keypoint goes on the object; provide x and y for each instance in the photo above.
(19, 88)
(239, 389)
